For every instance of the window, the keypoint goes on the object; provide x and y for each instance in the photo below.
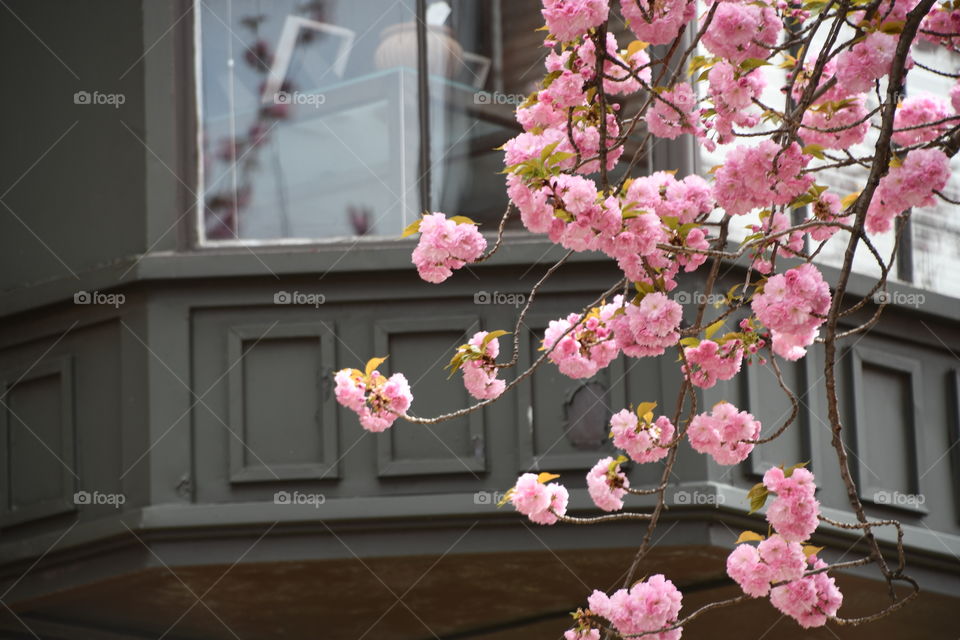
(320, 121)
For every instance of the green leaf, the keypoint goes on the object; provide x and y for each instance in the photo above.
(645, 409)
(847, 201)
(810, 550)
(892, 28)
(712, 329)
(410, 229)
(752, 63)
(506, 497)
(463, 220)
(789, 470)
(689, 341)
(815, 150)
(373, 363)
(757, 496)
(750, 536)
(493, 335)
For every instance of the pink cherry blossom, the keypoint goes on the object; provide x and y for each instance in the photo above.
(919, 110)
(444, 246)
(792, 306)
(581, 634)
(556, 506)
(739, 31)
(827, 209)
(775, 560)
(760, 176)
(586, 349)
(607, 485)
(674, 112)
(376, 399)
(719, 433)
(647, 606)
(480, 374)
(837, 125)
(658, 22)
(866, 61)
(568, 19)
(529, 495)
(810, 600)
(648, 328)
(710, 361)
(642, 442)
(911, 184)
(795, 510)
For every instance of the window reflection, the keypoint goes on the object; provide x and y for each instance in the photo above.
(304, 135)
(315, 125)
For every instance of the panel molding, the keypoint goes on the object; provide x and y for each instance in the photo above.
(62, 368)
(327, 465)
(867, 489)
(387, 464)
(756, 465)
(953, 435)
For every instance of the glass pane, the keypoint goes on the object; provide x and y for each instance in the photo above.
(485, 57)
(310, 126)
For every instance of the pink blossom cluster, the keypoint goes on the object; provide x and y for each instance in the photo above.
(709, 361)
(836, 125)
(586, 349)
(916, 111)
(376, 399)
(827, 208)
(648, 328)
(659, 21)
(642, 441)
(647, 606)
(607, 484)
(942, 26)
(742, 30)
(792, 305)
(617, 80)
(863, 63)
(674, 112)
(581, 634)
(445, 245)
(540, 502)
(760, 176)
(774, 560)
(650, 200)
(569, 19)
(809, 600)
(911, 184)
(794, 512)
(480, 374)
(719, 433)
(732, 93)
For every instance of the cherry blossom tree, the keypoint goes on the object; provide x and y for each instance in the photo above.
(787, 93)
